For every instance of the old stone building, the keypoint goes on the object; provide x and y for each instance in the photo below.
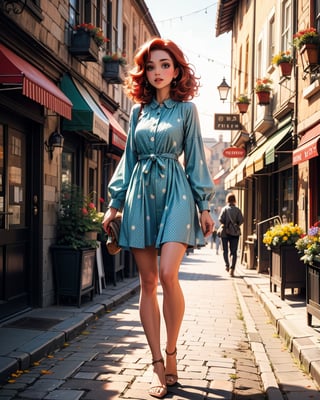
(63, 118)
(278, 177)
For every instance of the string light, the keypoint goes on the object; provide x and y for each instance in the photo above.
(205, 57)
(187, 15)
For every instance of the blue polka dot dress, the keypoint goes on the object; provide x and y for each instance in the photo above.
(156, 191)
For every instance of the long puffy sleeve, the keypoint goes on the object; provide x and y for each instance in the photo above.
(195, 162)
(119, 182)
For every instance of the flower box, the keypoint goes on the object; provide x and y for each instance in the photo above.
(309, 54)
(243, 107)
(263, 98)
(113, 72)
(287, 270)
(83, 46)
(313, 291)
(73, 271)
(286, 68)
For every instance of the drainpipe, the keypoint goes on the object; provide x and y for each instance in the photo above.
(295, 114)
(253, 98)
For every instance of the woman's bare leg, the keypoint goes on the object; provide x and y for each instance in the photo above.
(173, 300)
(146, 260)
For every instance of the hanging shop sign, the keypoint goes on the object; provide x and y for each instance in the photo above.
(227, 122)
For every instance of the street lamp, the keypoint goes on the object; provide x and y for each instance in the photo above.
(223, 90)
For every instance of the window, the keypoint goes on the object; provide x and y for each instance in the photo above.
(317, 15)
(246, 67)
(259, 60)
(73, 12)
(286, 195)
(89, 12)
(240, 71)
(271, 44)
(124, 39)
(286, 32)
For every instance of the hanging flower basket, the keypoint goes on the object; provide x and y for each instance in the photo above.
(263, 89)
(286, 68)
(243, 107)
(242, 103)
(309, 56)
(113, 71)
(263, 98)
(83, 46)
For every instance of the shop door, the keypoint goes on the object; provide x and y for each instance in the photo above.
(15, 232)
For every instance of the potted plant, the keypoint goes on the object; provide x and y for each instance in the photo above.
(86, 40)
(284, 59)
(243, 102)
(73, 255)
(263, 90)
(307, 43)
(286, 269)
(308, 247)
(112, 67)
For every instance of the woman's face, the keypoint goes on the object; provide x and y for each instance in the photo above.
(160, 69)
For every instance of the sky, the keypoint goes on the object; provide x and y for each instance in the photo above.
(191, 25)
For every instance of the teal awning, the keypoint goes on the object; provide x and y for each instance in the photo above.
(274, 141)
(86, 113)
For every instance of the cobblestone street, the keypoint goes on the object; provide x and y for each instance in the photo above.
(111, 360)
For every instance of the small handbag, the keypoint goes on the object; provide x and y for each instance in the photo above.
(220, 230)
(234, 230)
(113, 236)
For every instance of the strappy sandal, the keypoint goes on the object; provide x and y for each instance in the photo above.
(171, 379)
(158, 391)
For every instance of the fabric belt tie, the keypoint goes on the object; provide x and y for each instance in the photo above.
(156, 158)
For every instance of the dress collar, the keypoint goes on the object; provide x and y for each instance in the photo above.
(169, 103)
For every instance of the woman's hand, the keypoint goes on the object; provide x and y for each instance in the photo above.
(207, 223)
(108, 217)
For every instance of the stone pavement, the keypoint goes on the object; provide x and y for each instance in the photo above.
(235, 343)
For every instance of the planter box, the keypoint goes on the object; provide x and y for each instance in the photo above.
(309, 56)
(73, 272)
(313, 291)
(286, 68)
(243, 107)
(263, 98)
(112, 72)
(286, 271)
(84, 47)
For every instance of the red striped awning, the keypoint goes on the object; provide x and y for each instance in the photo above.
(119, 136)
(16, 71)
(308, 146)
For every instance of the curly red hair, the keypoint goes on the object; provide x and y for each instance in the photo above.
(136, 84)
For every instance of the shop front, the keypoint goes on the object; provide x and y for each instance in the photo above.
(25, 92)
(306, 158)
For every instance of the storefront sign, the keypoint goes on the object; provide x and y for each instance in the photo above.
(234, 152)
(227, 122)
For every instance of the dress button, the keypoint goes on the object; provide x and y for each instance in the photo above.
(152, 139)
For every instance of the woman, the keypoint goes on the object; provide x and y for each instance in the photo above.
(158, 196)
(231, 218)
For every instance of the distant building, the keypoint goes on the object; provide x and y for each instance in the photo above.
(219, 167)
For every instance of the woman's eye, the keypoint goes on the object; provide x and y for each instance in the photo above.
(166, 65)
(149, 68)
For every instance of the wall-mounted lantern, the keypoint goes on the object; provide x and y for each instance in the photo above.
(55, 141)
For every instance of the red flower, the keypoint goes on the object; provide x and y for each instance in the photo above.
(92, 206)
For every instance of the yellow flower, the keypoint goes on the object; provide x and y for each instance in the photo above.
(282, 234)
